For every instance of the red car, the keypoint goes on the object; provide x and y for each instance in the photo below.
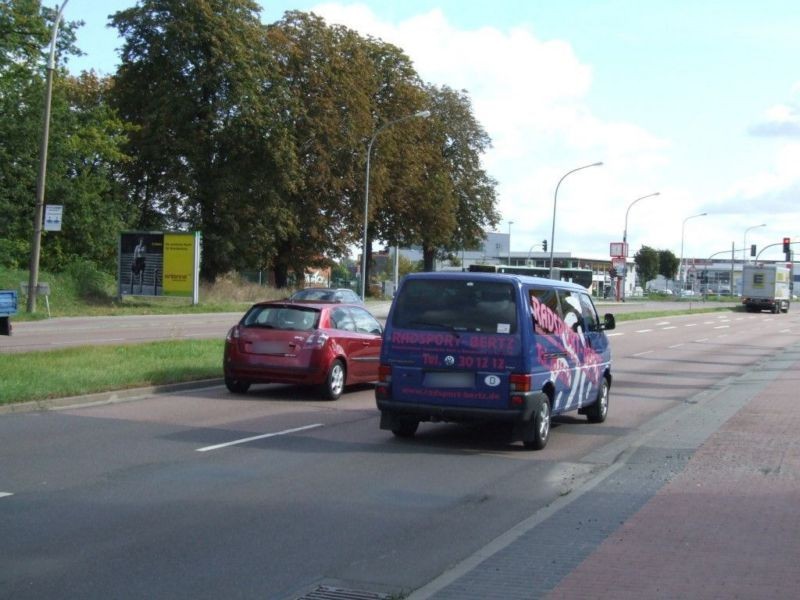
(308, 343)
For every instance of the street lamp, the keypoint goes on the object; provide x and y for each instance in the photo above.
(555, 201)
(680, 264)
(744, 241)
(625, 233)
(510, 223)
(36, 242)
(422, 114)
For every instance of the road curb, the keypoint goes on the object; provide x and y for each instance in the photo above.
(109, 397)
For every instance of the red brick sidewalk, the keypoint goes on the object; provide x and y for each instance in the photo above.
(728, 526)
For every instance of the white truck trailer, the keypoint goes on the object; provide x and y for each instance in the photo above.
(766, 287)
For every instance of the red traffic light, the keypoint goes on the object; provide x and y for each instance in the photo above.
(786, 243)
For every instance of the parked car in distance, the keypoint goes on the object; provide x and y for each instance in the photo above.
(330, 345)
(317, 294)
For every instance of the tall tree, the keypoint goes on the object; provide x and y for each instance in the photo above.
(85, 137)
(449, 199)
(324, 69)
(196, 80)
(647, 263)
(396, 92)
(668, 264)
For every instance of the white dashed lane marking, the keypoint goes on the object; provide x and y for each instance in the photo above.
(258, 437)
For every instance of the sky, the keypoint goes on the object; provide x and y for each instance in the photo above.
(698, 101)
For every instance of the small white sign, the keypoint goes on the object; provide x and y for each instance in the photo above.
(52, 217)
(492, 380)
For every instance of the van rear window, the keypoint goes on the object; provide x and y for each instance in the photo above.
(456, 305)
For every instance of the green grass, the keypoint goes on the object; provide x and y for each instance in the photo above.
(83, 291)
(84, 370)
(654, 314)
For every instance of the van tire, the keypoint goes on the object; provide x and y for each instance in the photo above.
(597, 412)
(405, 428)
(538, 428)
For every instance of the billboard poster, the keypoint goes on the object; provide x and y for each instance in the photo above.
(155, 263)
(178, 264)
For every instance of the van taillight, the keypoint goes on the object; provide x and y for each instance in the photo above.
(385, 373)
(520, 382)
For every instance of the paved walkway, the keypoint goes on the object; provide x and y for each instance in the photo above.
(708, 506)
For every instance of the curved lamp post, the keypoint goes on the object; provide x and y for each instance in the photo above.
(36, 243)
(744, 242)
(680, 264)
(423, 114)
(555, 201)
(625, 231)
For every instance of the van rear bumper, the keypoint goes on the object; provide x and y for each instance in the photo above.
(391, 409)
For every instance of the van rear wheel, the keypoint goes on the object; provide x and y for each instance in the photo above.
(405, 428)
(538, 430)
(597, 412)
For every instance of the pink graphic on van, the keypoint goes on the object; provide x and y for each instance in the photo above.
(560, 346)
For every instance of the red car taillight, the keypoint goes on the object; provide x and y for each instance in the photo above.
(233, 334)
(316, 339)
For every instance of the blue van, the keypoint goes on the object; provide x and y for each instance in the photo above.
(492, 347)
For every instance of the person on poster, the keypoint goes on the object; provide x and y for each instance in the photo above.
(138, 264)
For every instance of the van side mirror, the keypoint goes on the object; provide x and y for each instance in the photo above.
(609, 322)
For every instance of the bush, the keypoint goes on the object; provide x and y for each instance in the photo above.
(90, 283)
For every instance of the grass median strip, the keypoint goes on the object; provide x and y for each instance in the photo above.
(89, 369)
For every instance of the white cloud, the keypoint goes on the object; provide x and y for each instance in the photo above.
(780, 120)
(532, 97)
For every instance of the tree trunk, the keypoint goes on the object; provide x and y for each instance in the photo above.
(428, 259)
(281, 273)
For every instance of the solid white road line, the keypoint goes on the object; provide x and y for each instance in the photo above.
(722, 327)
(676, 346)
(643, 353)
(644, 330)
(5, 494)
(259, 437)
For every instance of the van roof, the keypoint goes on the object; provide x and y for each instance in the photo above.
(508, 277)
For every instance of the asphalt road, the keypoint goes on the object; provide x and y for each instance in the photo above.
(203, 494)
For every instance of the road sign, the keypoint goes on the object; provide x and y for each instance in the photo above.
(619, 249)
(52, 217)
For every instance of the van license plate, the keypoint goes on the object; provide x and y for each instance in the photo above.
(438, 379)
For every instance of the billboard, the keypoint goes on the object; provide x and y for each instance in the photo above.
(155, 263)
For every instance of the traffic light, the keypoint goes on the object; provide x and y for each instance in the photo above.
(752, 250)
(786, 243)
(544, 245)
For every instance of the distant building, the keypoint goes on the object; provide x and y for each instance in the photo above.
(701, 275)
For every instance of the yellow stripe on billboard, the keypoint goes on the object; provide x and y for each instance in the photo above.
(178, 264)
